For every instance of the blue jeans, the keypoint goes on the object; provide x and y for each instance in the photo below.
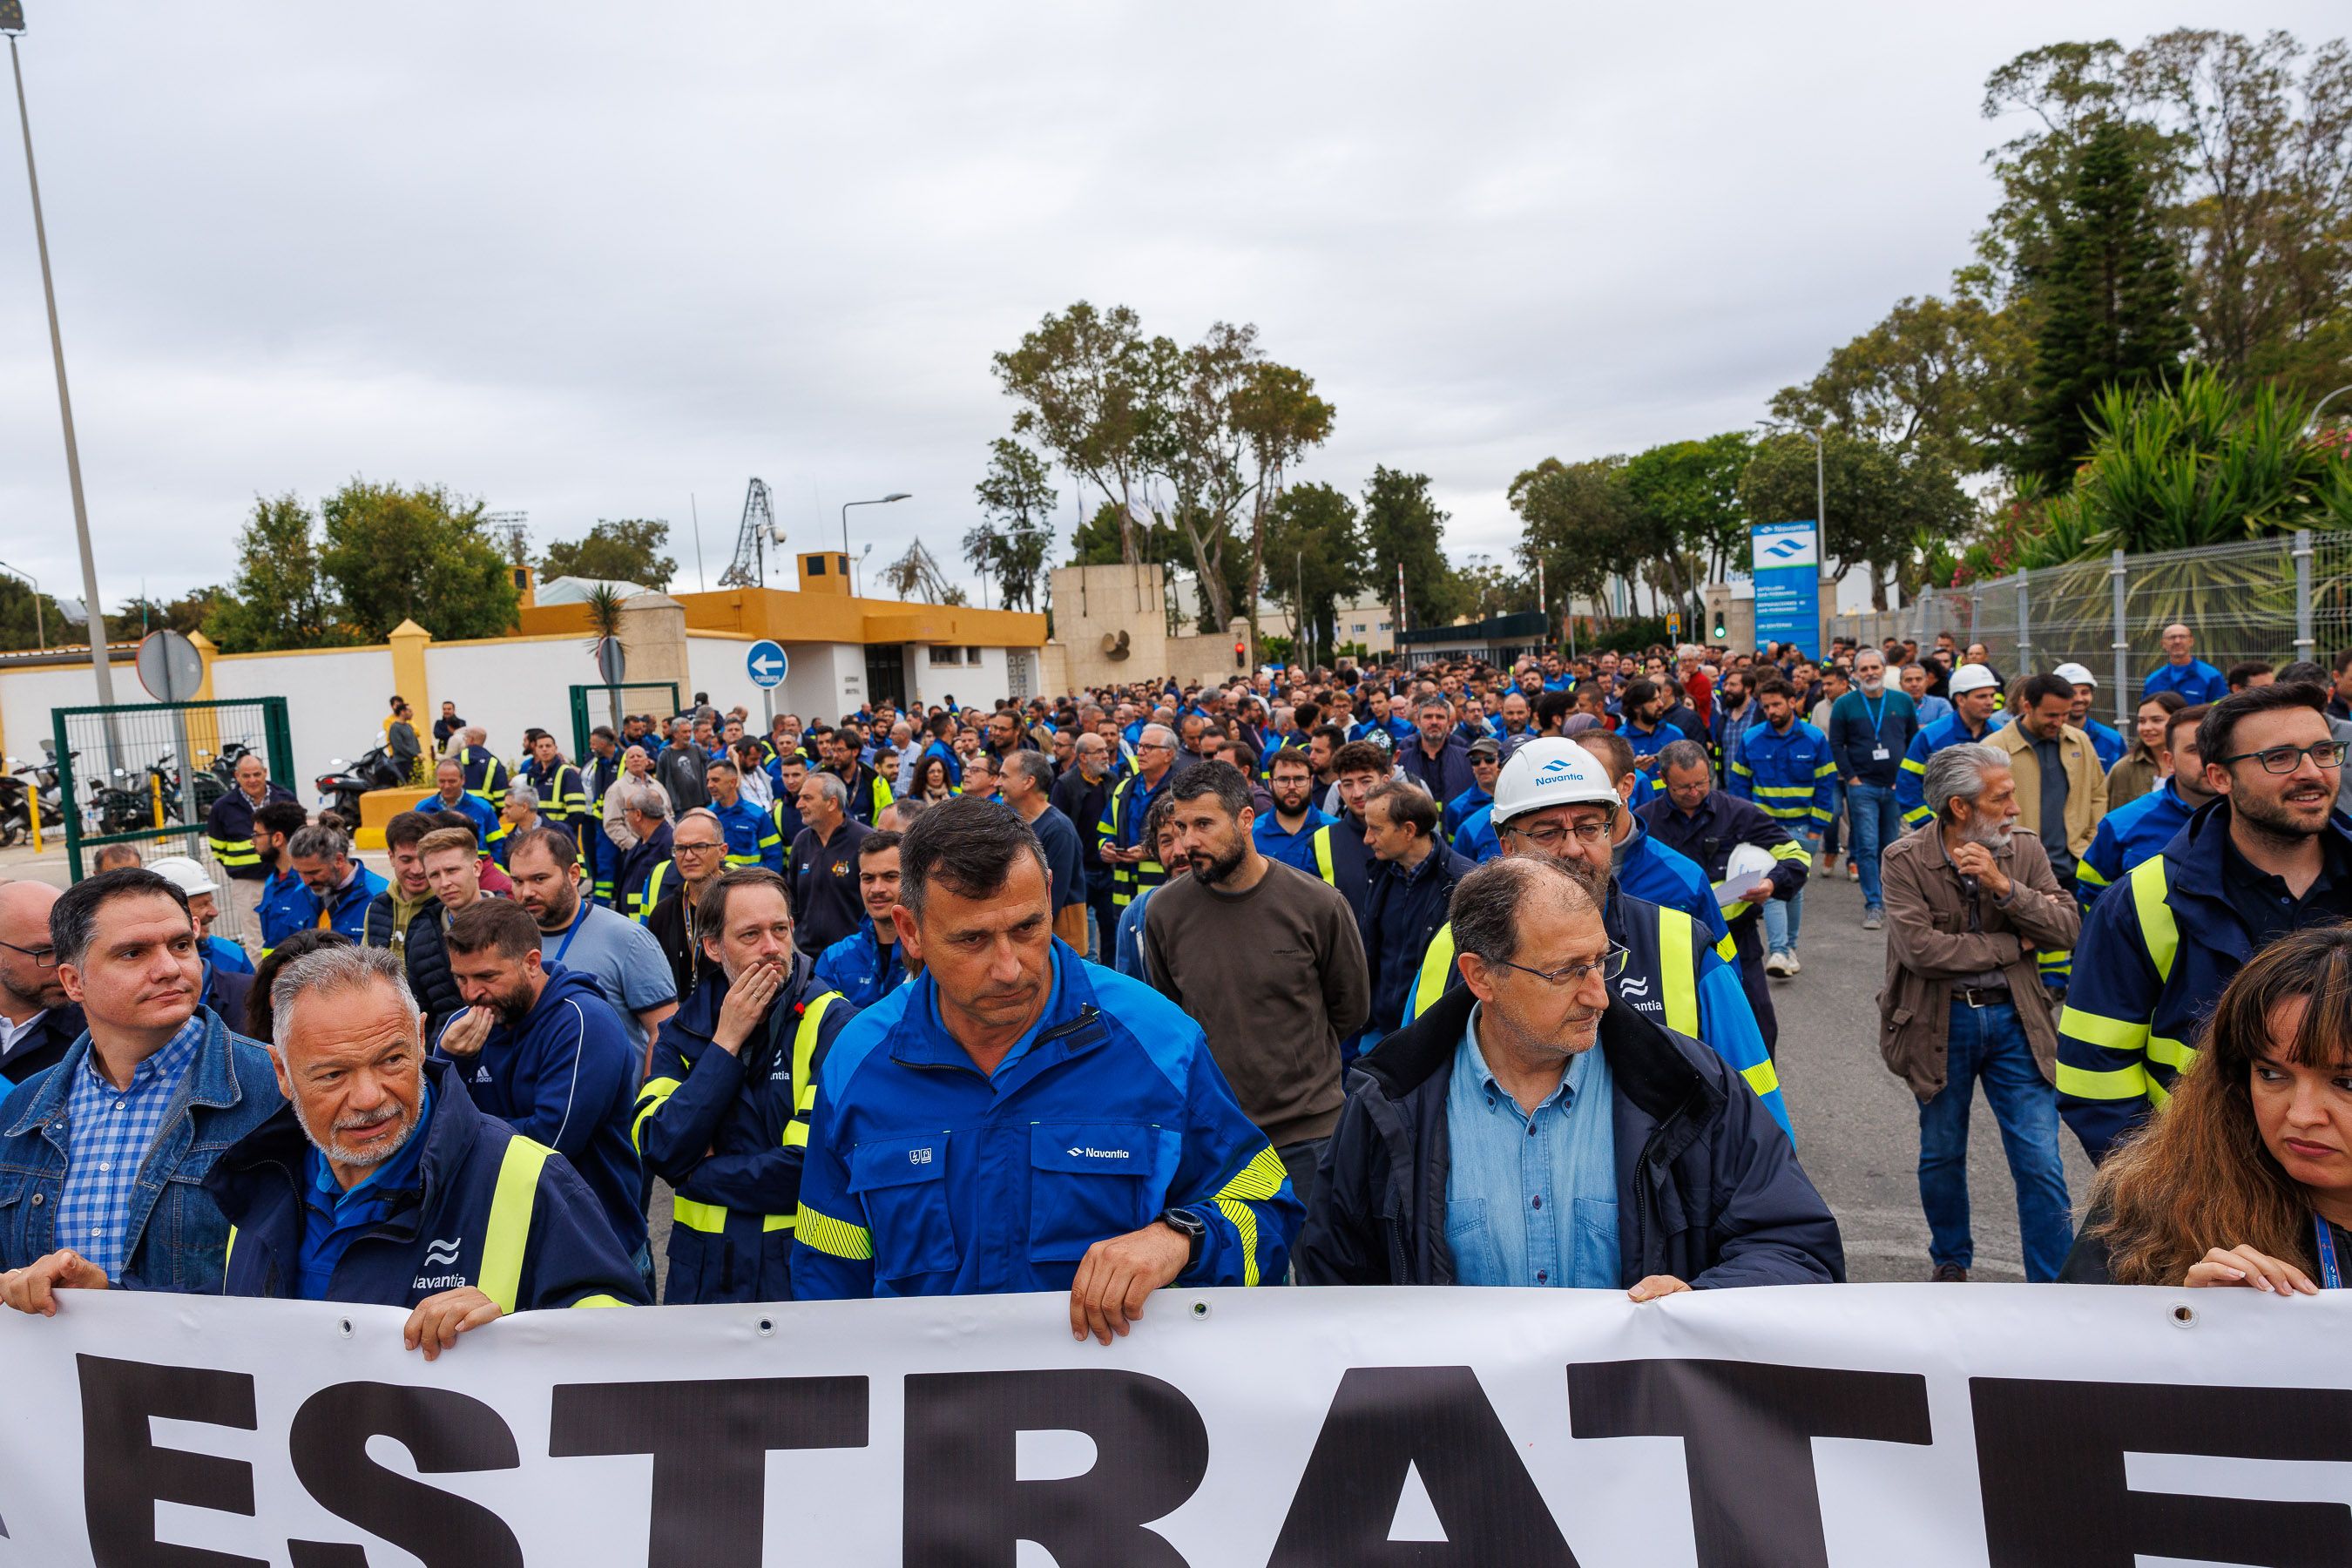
(1987, 1045)
(1877, 823)
(1783, 916)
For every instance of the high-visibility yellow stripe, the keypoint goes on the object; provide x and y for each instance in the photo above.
(1792, 850)
(509, 1235)
(1436, 965)
(599, 1301)
(1244, 1223)
(2157, 927)
(2095, 1029)
(1763, 1077)
(709, 1218)
(226, 1253)
(2175, 1054)
(2117, 1083)
(1261, 1178)
(1913, 765)
(835, 1237)
(1677, 969)
(2086, 872)
(650, 1099)
(1727, 950)
(1802, 790)
(1323, 866)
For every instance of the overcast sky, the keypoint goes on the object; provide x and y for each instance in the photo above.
(591, 260)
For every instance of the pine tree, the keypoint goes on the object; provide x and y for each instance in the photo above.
(2112, 305)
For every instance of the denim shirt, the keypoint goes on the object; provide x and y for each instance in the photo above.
(1531, 1199)
(174, 1237)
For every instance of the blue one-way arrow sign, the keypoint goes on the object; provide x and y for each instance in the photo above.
(767, 663)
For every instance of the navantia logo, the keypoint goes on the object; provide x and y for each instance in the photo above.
(1556, 765)
(1783, 549)
(1633, 987)
(1086, 1153)
(442, 1254)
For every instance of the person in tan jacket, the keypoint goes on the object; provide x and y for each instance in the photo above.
(2062, 790)
(1971, 904)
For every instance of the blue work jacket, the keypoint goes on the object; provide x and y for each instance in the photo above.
(1477, 837)
(860, 967)
(491, 1209)
(927, 1178)
(1291, 848)
(1457, 810)
(730, 1130)
(175, 1234)
(565, 1075)
(1910, 785)
(2127, 835)
(1789, 774)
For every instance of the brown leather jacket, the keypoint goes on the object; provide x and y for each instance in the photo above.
(1938, 932)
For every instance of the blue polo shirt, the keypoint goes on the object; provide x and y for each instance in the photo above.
(1291, 848)
(332, 1217)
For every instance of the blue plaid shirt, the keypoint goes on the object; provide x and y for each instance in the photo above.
(108, 1134)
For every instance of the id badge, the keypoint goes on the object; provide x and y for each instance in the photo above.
(1879, 755)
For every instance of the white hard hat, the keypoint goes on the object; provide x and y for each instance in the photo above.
(1971, 678)
(184, 874)
(2075, 674)
(1551, 771)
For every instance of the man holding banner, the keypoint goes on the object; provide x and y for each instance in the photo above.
(1018, 1119)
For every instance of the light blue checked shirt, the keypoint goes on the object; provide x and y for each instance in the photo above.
(108, 1134)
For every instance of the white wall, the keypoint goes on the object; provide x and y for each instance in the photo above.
(28, 697)
(507, 687)
(821, 679)
(973, 686)
(335, 703)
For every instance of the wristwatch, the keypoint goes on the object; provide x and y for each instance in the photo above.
(1188, 1225)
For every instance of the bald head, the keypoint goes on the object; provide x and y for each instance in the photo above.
(27, 985)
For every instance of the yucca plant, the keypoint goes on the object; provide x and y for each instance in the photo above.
(603, 606)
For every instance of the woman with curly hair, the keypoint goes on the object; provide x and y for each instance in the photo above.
(2245, 1177)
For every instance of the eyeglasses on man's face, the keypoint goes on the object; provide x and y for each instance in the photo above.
(2286, 759)
(42, 957)
(682, 847)
(1550, 836)
(1568, 976)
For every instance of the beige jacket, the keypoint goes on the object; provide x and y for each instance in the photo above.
(1934, 938)
(2086, 783)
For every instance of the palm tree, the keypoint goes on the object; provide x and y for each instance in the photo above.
(603, 606)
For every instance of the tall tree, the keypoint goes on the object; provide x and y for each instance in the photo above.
(1279, 417)
(282, 597)
(1686, 496)
(21, 626)
(1578, 521)
(1403, 527)
(1935, 374)
(416, 554)
(1084, 387)
(1313, 557)
(2111, 309)
(625, 550)
(1880, 503)
(1017, 497)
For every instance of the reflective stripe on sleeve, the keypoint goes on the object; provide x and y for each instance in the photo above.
(835, 1237)
(508, 1235)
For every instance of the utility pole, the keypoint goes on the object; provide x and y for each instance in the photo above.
(12, 21)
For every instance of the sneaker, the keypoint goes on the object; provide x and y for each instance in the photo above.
(1852, 872)
(1829, 865)
(1779, 963)
(1949, 1274)
(1795, 964)
(1873, 921)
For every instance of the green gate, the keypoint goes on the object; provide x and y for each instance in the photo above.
(149, 772)
(614, 705)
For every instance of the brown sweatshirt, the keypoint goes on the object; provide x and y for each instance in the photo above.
(1276, 978)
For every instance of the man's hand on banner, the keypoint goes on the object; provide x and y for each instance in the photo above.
(438, 1320)
(33, 1287)
(1655, 1286)
(1117, 1273)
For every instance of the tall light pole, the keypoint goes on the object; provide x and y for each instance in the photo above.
(879, 501)
(12, 22)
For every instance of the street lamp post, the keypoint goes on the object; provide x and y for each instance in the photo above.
(879, 501)
(12, 20)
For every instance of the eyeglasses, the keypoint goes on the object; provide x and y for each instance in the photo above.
(1608, 966)
(1153, 746)
(1550, 836)
(2286, 759)
(680, 846)
(42, 957)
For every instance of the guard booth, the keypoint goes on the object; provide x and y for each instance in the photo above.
(148, 773)
(595, 705)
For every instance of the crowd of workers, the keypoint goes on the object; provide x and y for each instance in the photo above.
(1298, 978)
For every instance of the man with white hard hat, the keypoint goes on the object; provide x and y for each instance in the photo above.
(1555, 798)
(2106, 738)
(1975, 691)
(228, 973)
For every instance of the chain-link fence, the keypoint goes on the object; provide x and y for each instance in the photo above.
(149, 774)
(2277, 599)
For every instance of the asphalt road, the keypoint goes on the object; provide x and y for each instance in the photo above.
(1857, 1124)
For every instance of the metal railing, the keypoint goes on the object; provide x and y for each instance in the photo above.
(2279, 599)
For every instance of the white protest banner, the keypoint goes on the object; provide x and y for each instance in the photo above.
(1856, 1425)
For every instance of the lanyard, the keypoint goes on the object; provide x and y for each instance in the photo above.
(1874, 717)
(2331, 1278)
(573, 932)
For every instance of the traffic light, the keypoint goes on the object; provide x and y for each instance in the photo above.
(1241, 654)
(1721, 631)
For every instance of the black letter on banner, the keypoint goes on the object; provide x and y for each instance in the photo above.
(710, 1443)
(2050, 1457)
(124, 1475)
(963, 1504)
(1747, 1434)
(1386, 1420)
(445, 1433)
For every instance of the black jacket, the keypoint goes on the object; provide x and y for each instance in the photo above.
(44, 1045)
(1709, 1190)
(1398, 923)
(428, 957)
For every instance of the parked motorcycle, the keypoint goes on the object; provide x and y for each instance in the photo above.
(23, 789)
(340, 786)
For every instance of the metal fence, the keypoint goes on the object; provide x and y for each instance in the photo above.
(595, 705)
(148, 773)
(2277, 599)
